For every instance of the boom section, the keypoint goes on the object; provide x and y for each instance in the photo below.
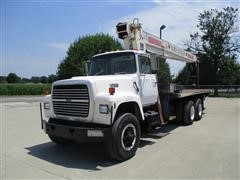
(134, 38)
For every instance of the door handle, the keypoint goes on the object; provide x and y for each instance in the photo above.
(135, 86)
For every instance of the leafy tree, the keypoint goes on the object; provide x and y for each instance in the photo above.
(83, 49)
(238, 75)
(52, 78)
(25, 80)
(163, 72)
(3, 79)
(229, 71)
(188, 75)
(216, 43)
(13, 78)
(182, 77)
(35, 79)
(43, 79)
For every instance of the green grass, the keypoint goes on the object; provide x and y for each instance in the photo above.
(23, 89)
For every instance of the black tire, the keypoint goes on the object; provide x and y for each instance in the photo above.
(125, 137)
(189, 113)
(198, 109)
(59, 140)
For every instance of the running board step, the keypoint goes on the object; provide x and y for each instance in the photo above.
(152, 117)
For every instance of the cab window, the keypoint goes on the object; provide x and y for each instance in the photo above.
(114, 63)
(144, 65)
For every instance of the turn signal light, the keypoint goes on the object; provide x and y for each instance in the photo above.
(46, 92)
(111, 90)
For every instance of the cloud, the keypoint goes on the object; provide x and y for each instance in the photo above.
(60, 46)
(180, 18)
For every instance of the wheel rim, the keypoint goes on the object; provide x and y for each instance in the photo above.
(192, 113)
(200, 110)
(128, 137)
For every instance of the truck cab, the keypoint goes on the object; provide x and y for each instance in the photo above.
(134, 64)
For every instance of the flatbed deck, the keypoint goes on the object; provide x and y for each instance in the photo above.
(173, 92)
(189, 92)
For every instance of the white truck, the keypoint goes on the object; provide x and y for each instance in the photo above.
(120, 98)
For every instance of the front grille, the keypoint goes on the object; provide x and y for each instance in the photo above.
(71, 100)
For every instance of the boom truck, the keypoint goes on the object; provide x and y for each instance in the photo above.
(120, 98)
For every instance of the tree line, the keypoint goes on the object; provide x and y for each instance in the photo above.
(14, 78)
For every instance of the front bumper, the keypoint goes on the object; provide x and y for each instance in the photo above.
(78, 134)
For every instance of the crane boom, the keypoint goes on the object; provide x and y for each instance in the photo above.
(137, 39)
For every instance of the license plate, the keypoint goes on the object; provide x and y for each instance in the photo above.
(94, 133)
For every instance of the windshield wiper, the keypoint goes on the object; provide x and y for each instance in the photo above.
(98, 72)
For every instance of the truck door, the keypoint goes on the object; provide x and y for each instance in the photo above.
(147, 81)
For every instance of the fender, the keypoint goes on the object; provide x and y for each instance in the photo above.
(114, 101)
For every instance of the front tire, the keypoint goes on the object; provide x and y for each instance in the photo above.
(125, 137)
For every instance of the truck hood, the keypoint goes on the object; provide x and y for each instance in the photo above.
(99, 84)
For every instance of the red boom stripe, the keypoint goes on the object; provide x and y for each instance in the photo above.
(155, 42)
(190, 56)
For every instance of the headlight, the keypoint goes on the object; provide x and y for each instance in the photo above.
(46, 105)
(103, 109)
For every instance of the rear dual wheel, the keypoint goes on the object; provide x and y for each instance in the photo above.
(189, 113)
(192, 111)
(199, 109)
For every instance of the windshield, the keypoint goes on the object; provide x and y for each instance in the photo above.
(117, 63)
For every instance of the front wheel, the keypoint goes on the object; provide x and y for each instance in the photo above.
(125, 137)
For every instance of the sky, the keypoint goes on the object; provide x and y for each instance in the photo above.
(35, 35)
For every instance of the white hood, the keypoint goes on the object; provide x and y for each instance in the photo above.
(102, 83)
